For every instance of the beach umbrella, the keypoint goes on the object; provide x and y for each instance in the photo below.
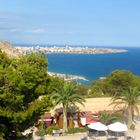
(117, 127)
(83, 121)
(97, 126)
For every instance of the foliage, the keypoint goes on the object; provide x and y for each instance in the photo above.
(115, 84)
(83, 89)
(41, 129)
(51, 128)
(22, 82)
(107, 118)
(4, 60)
(1, 136)
(76, 130)
(99, 88)
(55, 84)
(96, 95)
(130, 99)
(67, 96)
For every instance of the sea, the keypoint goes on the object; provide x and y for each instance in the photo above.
(94, 66)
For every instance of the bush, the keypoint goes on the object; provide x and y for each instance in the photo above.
(51, 128)
(107, 118)
(25, 138)
(41, 130)
(76, 130)
(95, 95)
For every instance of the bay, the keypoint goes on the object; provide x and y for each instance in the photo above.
(92, 67)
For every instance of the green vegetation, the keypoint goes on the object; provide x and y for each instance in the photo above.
(130, 99)
(67, 96)
(83, 90)
(51, 128)
(115, 84)
(124, 88)
(41, 130)
(76, 130)
(26, 92)
(22, 82)
(107, 118)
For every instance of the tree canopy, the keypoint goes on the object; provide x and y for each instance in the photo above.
(117, 82)
(67, 96)
(22, 82)
(130, 99)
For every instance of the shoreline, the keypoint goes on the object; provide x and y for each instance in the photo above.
(67, 77)
(68, 50)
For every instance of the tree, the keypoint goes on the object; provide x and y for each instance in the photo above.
(4, 60)
(110, 117)
(130, 99)
(67, 95)
(83, 90)
(22, 82)
(116, 83)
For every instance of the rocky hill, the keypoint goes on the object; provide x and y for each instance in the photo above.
(9, 49)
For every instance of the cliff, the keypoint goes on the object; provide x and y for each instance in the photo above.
(9, 49)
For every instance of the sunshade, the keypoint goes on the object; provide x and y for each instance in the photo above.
(83, 121)
(117, 127)
(97, 126)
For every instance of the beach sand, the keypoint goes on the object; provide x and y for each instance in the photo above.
(96, 104)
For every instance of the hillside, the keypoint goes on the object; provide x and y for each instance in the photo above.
(9, 49)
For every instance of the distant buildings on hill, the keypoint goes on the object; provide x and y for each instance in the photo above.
(67, 50)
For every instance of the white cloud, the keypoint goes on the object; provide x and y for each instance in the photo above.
(37, 31)
(13, 30)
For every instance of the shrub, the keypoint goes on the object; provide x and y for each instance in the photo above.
(76, 130)
(95, 95)
(41, 130)
(107, 118)
(51, 128)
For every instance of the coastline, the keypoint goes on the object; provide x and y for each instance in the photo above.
(68, 50)
(67, 77)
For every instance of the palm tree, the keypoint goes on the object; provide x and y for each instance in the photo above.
(67, 96)
(130, 99)
(107, 118)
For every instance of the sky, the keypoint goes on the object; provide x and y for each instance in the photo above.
(71, 22)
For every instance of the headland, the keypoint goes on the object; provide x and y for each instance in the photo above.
(67, 50)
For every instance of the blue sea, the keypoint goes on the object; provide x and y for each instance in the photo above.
(92, 67)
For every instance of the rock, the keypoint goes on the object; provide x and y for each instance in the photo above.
(9, 49)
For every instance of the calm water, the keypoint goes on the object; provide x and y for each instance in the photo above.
(94, 66)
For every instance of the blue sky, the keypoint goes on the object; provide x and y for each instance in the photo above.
(72, 22)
